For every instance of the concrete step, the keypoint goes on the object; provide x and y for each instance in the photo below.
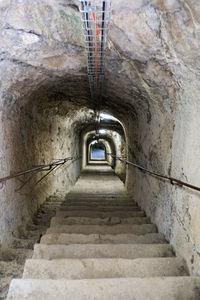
(104, 229)
(98, 221)
(100, 208)
(103, 268)
(101, 251)
(156, 288)
(70, 238)
(100, 214)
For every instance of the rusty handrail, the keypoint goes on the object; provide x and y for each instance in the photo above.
(40, 168)
(171, 179)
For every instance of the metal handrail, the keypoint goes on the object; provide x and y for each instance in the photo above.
(171, 179)
(46, 167)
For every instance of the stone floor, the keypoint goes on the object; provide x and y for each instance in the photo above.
(100, 245)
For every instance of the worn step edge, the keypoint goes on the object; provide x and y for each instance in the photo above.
(156, 288)
(103, 268)
(104, 229)
(99, 203)
(100, 208)
(98, 221)
(70, 238)
(100, 200)
(98, 195)
(100, 214)
(101, 251)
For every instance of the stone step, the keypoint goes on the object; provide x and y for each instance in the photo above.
(70, 238)
(58, 200)
(54, 201)
(103, 268)
(104, 229)
(46, 215)
(156, 288)
(100, 214)
(46, 212)
(98, 198)
(100, 208)
(97, 203)
(98, 221)
(51, 204)
(98, 195)
(40, 217)
(101, 251)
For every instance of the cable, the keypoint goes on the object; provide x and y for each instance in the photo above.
(95, 18)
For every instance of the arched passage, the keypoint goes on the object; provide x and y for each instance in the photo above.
(97, 151)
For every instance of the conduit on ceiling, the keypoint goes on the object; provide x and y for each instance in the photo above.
(96, 19)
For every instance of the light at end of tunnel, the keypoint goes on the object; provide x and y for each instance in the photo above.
(102, 131)
(94, 142)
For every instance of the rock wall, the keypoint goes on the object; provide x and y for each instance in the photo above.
(28, 141)
(171, 147)
(41, 58)
(166, 139)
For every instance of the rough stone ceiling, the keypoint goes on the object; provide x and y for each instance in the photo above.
(150, 43)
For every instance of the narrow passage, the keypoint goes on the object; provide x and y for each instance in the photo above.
(100, 245)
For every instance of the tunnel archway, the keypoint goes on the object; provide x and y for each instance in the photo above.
(97, 151)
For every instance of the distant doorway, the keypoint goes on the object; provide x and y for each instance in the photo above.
(97, 152)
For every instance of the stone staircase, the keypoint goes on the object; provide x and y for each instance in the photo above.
(12, 259)
(100, 245)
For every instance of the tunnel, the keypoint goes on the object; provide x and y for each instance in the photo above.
(149, 114)
(97, 151)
